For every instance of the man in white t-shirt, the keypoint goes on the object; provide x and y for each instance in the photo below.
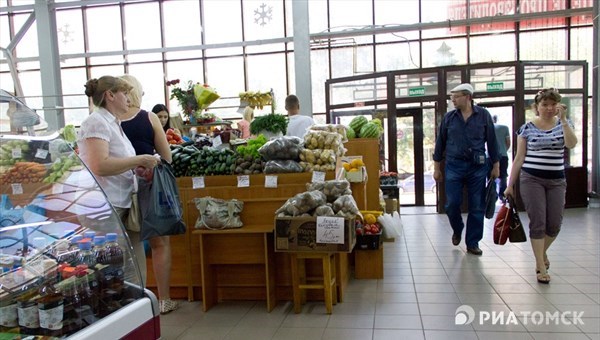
(298, 123)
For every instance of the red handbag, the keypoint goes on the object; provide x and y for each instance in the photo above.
(502, 224)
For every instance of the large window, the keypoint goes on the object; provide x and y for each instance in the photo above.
(247, 45)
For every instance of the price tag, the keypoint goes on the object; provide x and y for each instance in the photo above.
(16, 153)
(318, 176)
(17, 188)
(41, 153)
(243, 181)
(217, 141)
(197, 182)
(57, 188)
(270, 181)
(330, 229)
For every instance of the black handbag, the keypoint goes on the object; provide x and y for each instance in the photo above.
(516, 232)
(490, 198)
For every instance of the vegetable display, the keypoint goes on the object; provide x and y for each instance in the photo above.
(259, 155)
(24, 172)
(361, 127)
(272, 122)
(61, 166)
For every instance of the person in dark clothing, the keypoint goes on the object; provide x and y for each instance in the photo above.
(147, 136)
(462, 138)
(503, 142)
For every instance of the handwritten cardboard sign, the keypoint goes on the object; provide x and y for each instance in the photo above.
(330, 229)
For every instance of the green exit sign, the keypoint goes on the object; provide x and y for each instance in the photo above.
(497, 86)
(416, 91)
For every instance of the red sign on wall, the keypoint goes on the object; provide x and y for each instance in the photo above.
(493, 8)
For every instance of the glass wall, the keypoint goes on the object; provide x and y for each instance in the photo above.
(247, 45)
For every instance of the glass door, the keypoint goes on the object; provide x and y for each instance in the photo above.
(414, 146)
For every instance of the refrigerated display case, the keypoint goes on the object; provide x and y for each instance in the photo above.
(67, 268)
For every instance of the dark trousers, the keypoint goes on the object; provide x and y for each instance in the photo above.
(458, 174)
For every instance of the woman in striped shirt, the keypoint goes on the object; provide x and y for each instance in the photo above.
(539, 164)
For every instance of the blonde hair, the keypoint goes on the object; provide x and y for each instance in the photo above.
(95, 88)
(248, 113)
(135, 95)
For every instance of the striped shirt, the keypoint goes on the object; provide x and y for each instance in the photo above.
(545, 151)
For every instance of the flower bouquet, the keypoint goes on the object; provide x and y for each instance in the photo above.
(194, 98)
(205, 118)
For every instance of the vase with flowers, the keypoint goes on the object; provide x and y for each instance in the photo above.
(193, 98)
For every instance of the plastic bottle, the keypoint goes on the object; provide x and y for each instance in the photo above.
(89, 300)
(27, 309)
(89, 235)
(75, 242)
(115, 261)
(9, 321)
(99, 250)
(86, 256)
(72, 321)
(50, 306)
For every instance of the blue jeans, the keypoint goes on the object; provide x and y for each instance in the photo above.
(460, 173)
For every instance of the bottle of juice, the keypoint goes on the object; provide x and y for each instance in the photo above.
(99, 250)
(74, 246)
(9, 321)
(89, 236)
(86, 256)
(72, 321)
(27, 309)
(89, 300)
(50, 305)
(115, 262)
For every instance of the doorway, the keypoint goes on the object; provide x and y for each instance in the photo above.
(415, 138)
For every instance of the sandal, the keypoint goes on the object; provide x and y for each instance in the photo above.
(546, 262)
(543, 278)
(167, 306)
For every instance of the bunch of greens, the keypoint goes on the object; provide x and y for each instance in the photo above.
(272, 122)
(251, 149)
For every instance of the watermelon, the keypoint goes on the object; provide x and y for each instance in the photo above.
(350, 133)
(378, 122)
(357, 123)
(370, 130)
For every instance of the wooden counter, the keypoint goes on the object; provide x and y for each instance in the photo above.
(242, 264)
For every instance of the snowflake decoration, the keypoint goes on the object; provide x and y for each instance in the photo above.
(67, 34)
(263, 15)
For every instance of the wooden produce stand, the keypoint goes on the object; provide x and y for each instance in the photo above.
(368, 264)
(240, 264)
(368, 148)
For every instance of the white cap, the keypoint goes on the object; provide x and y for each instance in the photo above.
(463, 87)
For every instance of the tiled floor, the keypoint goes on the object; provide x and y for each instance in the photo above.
(426, 280)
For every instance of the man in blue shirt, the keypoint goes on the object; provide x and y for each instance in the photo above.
(503, 142)
(462, 138)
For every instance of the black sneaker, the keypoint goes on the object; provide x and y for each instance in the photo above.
(475, 251)
(455, 239)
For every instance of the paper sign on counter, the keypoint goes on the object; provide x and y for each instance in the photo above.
(17, 188)
(330, 229)
(198, 182)
(16, 153)
(41, 153)
(318, 176)
(270, 181)
(243, 181)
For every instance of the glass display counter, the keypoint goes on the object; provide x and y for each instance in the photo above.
(67, 265)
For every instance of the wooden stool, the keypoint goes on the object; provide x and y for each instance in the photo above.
(300, 282)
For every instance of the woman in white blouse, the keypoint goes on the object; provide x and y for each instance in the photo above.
(109, 154)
